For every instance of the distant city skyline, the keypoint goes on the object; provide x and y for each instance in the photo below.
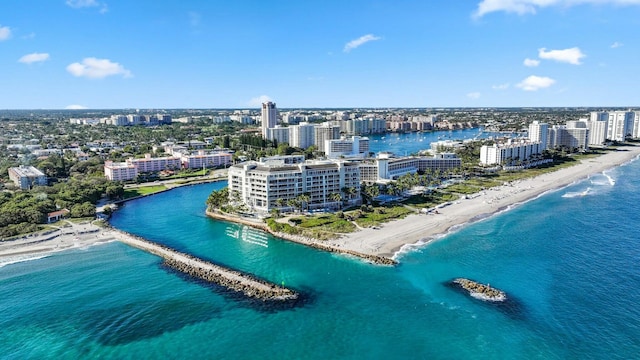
(113, 54)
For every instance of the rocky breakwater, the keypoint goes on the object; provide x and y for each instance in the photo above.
(204, 270)
(480, 291)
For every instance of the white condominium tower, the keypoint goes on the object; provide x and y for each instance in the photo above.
(269, 117)
(538, 132)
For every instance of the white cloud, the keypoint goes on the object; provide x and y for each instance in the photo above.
(616, 45)
(501, 86)
(522, 7)
(360, 41)
(571, 56)
(88, 3)
(93, 68)
(82, 3)
(473, 95)
(257, 101)
(35, 57)
(75, 107)
(194, 19)
(5, 33)
(534, 83)
(531, 62)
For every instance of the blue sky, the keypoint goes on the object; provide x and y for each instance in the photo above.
(102, 54)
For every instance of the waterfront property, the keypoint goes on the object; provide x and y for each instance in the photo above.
(509, 153)
(129, 170)
(275, 183)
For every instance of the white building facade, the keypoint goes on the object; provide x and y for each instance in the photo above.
(273, 183)
(509, 153)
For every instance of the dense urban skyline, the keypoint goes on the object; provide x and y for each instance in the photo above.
(483, 53)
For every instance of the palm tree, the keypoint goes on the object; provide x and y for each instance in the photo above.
(304, 200)
(336, 198)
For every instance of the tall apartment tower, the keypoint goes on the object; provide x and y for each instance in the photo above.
(620, 125)
(269, 117)
(539, 132)
(301, 135)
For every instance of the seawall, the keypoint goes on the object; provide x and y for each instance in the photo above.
(207, 271)
(381, 260)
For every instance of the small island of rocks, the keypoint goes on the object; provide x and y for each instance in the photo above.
(479, 291)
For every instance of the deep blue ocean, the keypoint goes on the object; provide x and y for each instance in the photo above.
(570, 260)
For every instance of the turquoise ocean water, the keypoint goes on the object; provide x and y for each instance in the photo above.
(570, 259)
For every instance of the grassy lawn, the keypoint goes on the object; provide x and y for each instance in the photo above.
(144, 190)
(186, 174)
(379, 215)
(431, 200)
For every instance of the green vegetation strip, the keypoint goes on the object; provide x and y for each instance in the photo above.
(144, 190)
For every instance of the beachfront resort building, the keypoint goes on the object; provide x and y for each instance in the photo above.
(539, 132)
(597, 132)
(387, 166)
(573, 136)
(276, 183)
(509, 153)
(25, 177)
(620, 124)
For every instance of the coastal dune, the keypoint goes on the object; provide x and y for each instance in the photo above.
(389, 240)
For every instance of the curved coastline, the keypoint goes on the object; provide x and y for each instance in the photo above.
(372, 258)
(398, 237)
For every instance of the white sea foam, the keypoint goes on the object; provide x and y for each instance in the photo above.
(21, 258)
(578, 193)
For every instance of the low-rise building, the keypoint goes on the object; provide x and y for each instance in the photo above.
(388, 167)
(25, 177)
(120, 171)
(203, 159)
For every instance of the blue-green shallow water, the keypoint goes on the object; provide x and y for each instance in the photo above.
(571, 263)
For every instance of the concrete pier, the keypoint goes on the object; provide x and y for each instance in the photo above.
(204, 270)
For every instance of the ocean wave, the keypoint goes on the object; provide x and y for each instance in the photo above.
(21, 258)
(578, 194)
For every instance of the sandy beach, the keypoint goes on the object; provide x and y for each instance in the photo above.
(71, 236)
(390, 238)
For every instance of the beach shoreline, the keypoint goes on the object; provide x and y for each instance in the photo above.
(394, 238)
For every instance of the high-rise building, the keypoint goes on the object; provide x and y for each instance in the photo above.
(636, 125)
(269, 117)
(539, 132)
(324, 132)
(301, 135)
(597, 132)
(278, 133)
(620, 125)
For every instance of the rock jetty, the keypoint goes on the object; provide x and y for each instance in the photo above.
(207, 271)
(479, 291)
